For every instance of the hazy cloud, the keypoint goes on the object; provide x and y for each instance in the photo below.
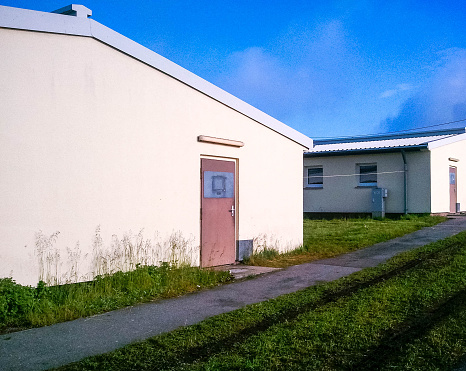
(305, 70)
(257, 76)
(313, 78)
(398, 89)
(440, 100)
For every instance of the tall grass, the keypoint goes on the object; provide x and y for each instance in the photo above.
(129, 270)
(109, 255)
(24, 306)
(328, 238)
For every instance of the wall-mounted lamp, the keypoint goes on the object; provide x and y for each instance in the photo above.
(225, 142)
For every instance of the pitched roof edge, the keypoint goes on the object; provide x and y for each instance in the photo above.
(388, 136)
(445, 141)
(32, 20)
(364, 151)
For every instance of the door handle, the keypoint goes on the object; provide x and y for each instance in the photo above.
(232, 210)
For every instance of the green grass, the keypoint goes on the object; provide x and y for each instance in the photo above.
(24, 306)
(328, 238)
(407, 314)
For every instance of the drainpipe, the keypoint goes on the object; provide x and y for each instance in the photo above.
(405, 180)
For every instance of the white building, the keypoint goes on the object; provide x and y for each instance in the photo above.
(111, 156)
(422, 172)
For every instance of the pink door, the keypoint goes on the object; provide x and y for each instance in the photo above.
(218, 237)
(453, 189)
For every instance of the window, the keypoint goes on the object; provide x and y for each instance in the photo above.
(315, 177)
(368, 175)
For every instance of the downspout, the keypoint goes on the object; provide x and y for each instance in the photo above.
(405, 181)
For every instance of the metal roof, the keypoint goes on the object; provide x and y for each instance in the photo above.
(394, 135)
(31, 20)
(383, 143)
(390, 143)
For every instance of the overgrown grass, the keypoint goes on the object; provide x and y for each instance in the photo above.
(24, 306)
(406, 314)
(328, 238)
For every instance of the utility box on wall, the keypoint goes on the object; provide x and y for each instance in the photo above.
(378, 202)
(244, 249)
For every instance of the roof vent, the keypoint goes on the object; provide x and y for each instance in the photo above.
(75, 10)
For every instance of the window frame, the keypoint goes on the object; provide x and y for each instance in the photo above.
(371, 173)
(321, 176)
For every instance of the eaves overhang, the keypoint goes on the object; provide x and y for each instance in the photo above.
(366, 151)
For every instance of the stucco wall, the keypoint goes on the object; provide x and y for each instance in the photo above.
(341, 194)
(98, 146)
(440, 175)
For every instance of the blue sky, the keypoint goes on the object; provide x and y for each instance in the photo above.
(326, 68)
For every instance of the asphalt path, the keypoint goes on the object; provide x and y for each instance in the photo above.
(63, 343)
